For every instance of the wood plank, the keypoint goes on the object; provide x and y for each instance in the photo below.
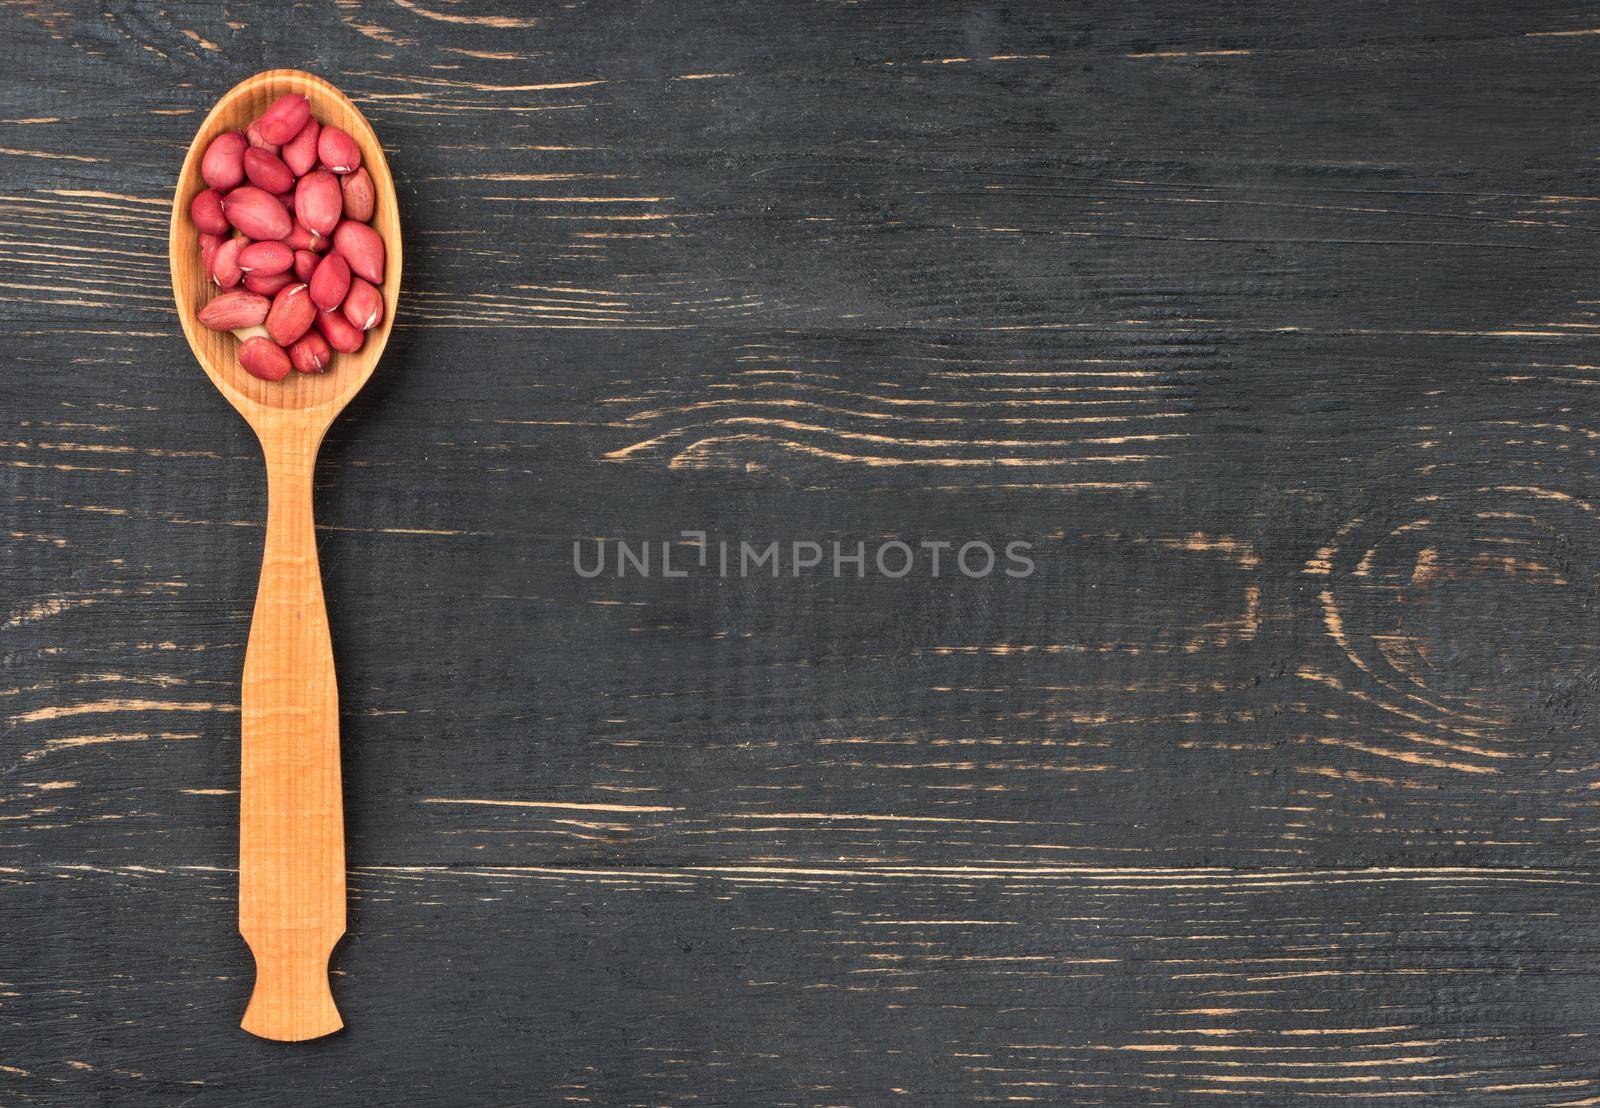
(847, 984)
(1271, 329)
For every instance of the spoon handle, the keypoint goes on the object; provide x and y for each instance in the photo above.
(291, 817)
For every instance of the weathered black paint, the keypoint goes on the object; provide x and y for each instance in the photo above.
(1271, 327)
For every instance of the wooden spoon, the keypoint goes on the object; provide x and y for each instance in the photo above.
(291, 818)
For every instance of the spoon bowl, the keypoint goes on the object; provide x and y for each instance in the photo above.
(315, 397)
(291, 815)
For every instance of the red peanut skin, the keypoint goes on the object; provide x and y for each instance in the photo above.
(360, 198)
(225, 269)
(267, 171)
(305, 264)
(264, 358)
(291, 315)
(257, 213)
(234, 309)
(266, 258)
(339, 332)
(283, 120)
(321, 201)
(267, 284)
(330, 282)
(208, 249)
(205, 212)
(222, 166)
(363, 305)
(362, 247)
(338, 151)
(252, 135)
(318, 201)
(304, 238)
(300, 152)
(311, 354)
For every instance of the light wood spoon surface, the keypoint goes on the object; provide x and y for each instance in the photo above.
(291, 816)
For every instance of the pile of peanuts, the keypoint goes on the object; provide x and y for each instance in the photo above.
(279, 196)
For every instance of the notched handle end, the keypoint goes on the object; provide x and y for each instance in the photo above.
(292, 1001)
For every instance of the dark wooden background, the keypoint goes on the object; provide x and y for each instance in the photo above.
(1271, 325)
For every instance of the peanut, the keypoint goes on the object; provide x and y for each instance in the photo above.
(234, 309)
(341, 334)
(285, 212)
(330, 282)
(303, 238)
(266, 258)
(338, 151)
(311, 354)
(205, 212)
(283, 120)
(268, 284)
(305, 264)
(222, 167)
(362, 247)
(267, 171)
(318, 203)
(257, 213)
(252, 135)
(208, 249)
(363, 305)
(225, 269)
(359, 196)
(291, 315)
(300, 152)
(264, 358)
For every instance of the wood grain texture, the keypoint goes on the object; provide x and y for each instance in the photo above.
(291, 822)
(1272, 328)
(291, 816)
